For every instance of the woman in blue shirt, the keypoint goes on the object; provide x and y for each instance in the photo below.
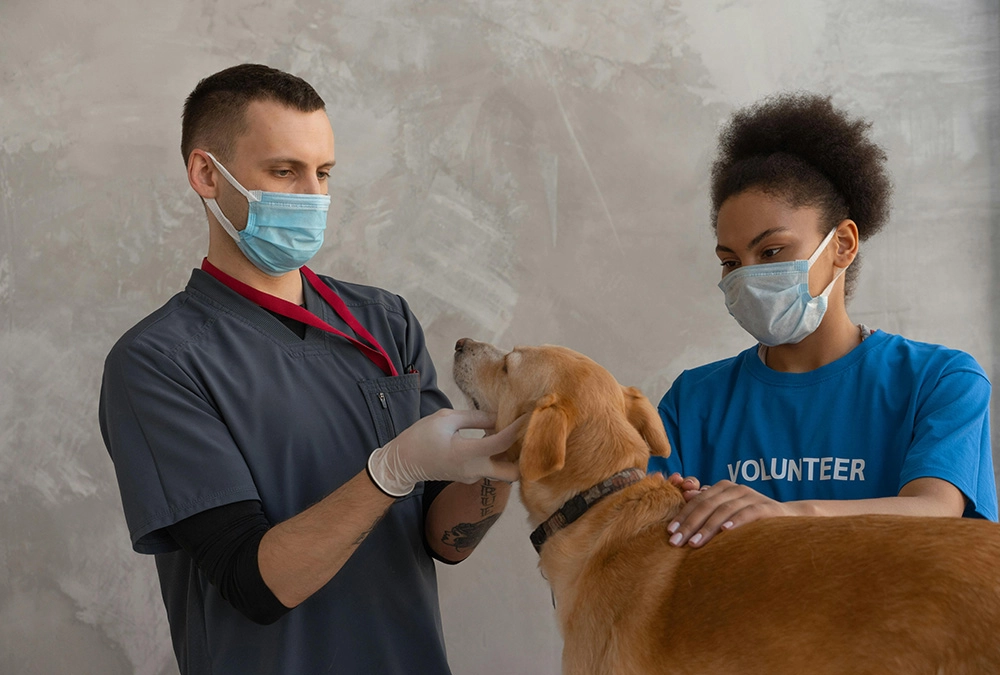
(823, 416)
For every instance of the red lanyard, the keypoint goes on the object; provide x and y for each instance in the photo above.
(373, 350)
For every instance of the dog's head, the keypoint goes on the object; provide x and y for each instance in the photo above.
(583, 426)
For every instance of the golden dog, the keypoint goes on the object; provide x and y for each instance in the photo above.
(796, 596)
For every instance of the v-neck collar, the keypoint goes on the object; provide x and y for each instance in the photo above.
(202, 282)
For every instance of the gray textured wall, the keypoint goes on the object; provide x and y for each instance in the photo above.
(522, 172)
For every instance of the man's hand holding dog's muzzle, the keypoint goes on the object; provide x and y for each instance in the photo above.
(432, 449)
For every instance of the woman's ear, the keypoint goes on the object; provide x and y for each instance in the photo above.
(847, 239)
(543, 450)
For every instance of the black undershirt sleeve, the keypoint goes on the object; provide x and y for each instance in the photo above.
(223, 543)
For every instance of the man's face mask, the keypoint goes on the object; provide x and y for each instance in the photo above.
(283, 231)
(771, 301)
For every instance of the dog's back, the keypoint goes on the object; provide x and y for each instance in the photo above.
(884, 593)
(865, 594)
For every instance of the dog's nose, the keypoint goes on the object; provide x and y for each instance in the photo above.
(460, 345)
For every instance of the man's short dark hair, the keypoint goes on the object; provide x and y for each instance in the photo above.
(215, 112)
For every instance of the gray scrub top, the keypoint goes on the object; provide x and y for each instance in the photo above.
(212, 400)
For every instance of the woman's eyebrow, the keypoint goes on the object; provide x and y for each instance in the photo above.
(764, 235)
(719, 248)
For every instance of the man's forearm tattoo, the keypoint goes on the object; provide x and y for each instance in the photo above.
(468, 535)
(487, 498)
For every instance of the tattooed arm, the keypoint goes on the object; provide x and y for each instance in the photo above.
(460, 516)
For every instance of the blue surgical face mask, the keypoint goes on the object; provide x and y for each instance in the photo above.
(771, 301)
(284, 230)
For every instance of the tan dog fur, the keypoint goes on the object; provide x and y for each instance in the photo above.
(802, 596)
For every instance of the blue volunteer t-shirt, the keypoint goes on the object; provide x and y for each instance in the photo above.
(889, 412)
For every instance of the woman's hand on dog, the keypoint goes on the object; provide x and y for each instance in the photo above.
(712, 509)
(689, 486)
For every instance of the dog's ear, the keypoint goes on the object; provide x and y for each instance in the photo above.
(543, 450)
(643, 416)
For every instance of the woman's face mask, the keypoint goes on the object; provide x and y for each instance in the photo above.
(771, 301)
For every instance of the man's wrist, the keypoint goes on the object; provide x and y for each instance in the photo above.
(502, 486)
(380, 477)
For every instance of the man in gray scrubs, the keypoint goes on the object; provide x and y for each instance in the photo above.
(279, 439)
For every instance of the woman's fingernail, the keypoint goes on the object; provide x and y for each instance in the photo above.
(696, 538)
(676, 539)
(673, 527)
(726, 525)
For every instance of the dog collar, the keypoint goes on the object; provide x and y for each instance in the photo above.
(579, 504)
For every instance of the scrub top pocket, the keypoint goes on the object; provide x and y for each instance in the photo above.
(394, 403)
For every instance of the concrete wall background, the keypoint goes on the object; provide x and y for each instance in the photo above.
(520, 172)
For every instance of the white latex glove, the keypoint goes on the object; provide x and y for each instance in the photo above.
(432, 449)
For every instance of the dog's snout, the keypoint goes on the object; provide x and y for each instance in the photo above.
(460, 345)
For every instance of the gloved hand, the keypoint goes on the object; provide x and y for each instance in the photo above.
(432, 449)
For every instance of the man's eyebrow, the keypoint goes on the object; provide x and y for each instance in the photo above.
(295, 162)
(753, 242)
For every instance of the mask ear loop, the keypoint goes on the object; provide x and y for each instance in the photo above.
(815, 256)
(251, 196)
(213, 206)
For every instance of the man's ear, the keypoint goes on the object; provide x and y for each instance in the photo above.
(543, 450)
(643, 416)
(201, 174)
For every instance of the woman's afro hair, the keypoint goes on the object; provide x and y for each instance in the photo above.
(800, 148)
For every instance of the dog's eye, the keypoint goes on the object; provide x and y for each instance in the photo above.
(505, 365)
